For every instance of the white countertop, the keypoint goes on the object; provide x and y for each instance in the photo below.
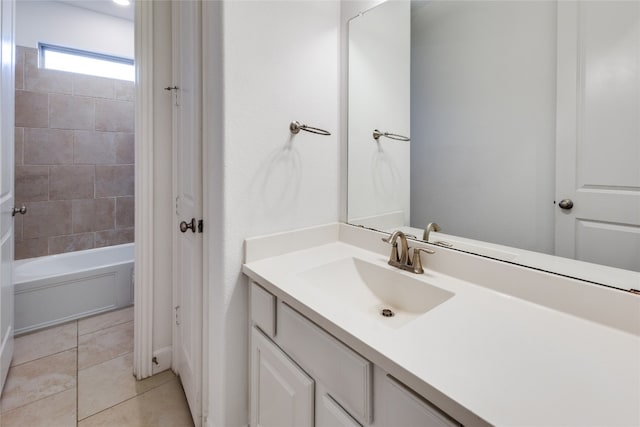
(505, 360)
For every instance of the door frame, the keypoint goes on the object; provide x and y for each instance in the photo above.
(144, 187)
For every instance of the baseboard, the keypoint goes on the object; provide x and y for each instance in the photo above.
(162, 360)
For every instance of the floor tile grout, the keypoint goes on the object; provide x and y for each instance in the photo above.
(43, 357)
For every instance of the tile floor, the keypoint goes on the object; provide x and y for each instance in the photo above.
(80, 374)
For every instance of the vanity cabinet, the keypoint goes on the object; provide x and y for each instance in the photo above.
(303, 376)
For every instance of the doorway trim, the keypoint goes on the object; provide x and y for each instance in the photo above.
(144, 219)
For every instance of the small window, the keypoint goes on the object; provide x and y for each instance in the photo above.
(80, 61)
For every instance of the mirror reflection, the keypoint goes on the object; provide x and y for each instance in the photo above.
(520, 125)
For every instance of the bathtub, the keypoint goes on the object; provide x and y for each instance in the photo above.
(57, 288)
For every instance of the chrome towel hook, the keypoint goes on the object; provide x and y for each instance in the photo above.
(377, 134)
(295, 127)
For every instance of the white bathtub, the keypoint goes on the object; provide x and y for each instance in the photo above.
(57, 288)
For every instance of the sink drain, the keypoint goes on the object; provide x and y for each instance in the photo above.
(387, 312)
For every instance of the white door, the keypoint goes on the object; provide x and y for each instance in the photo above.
(7, 84)
(188, 191)
(598, 139)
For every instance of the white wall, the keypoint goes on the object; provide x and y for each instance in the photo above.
(280, 63)
(483, 120)
(63, 25)
(379, 98)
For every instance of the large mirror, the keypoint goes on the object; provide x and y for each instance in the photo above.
(513, 127)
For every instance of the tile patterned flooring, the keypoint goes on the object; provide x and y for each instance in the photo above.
(80, 374)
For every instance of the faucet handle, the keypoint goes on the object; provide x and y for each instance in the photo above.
(394, 249)
(417, 261)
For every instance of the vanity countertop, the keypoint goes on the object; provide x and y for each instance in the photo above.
(482, 356)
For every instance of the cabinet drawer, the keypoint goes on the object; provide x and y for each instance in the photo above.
(345, 374)
(263, 309)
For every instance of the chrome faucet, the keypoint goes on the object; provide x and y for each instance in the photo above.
(402, 259)
(432, 226)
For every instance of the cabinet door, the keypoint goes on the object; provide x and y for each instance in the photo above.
(282, 395)
(330, 414)
(398, 406)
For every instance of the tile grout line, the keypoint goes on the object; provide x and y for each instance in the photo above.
(42, 357)
(37, 400)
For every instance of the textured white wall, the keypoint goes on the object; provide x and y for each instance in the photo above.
(280, 63)
(483, 102)
(379, 98)
(63, 25)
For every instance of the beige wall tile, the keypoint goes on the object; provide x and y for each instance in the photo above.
(44, 343)
(114, 116)
(109, 383)
(45, 219)
(58, 410)
(31, 248)
(71, 243)
(124, 212)
(163, 406)
(71, 182)
(20, 67)
(71, 112)
(116, 180)
(31, 183)
(125, 91)
(38, 379)
(96, 87)
(32, 109)
(93, 215)
(114, 237)
(95, 147)
(105, 344)
(19, 143)
(17, 227)
(42, 80)
(125, 148)
(48, 146)
(105, 320)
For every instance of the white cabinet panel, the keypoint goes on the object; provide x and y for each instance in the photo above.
(398, 406)
(282, 395)
(263, 310)
(330, 414)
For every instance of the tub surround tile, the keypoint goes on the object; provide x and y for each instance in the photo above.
(19, 68)
(105, 320)
(125, 91)
(58, 410)
(124, 212)
(71, 112)
(44, 343)
(38, 79)
(19, 142)
(114, 116)
(31, 248)
(95, 147)
(32, 109)
(48, 146)
(114, 237)
(72, 182)
(70, 243)
(60, 137)
(46, 219)
(31, 183)
(17, 227)
(163, 406)
(105, 344)
(112, 382)
(125, 148)
(93, 215)
(93, 86)
(114, 180)
(38, 379)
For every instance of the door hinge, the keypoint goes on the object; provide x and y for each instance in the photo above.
(634, 291)
(177, 308)
(200, 226)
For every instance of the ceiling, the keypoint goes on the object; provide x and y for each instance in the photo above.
(107, 7)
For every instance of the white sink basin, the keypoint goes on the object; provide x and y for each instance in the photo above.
(367, 288)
